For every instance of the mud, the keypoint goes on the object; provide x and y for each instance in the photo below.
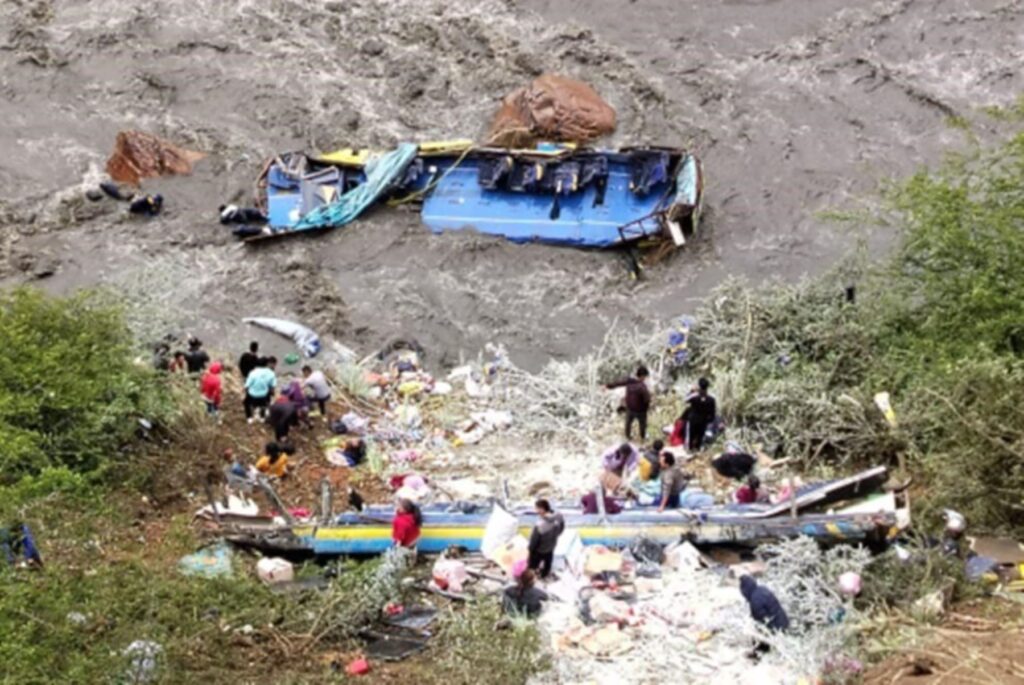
(795, 107)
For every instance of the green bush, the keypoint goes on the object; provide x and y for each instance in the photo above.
(70, 394)
(473, 651)
(888, 581)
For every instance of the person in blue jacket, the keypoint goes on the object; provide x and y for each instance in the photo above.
(16, 541)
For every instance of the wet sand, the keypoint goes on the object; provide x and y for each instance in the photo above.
(795, 107)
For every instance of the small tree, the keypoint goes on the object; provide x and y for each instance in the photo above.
(70, 394)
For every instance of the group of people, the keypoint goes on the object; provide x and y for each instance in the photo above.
(292, 405)
(282, 408)
(690, 429)
(657, 463)
(654, 464)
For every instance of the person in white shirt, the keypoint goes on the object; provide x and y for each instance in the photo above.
(317, 384)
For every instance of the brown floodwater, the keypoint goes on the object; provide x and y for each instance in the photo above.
(796, 107)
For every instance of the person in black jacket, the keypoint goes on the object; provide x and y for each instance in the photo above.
(764, 608)
(638, 400)
(283, 416)
(544, 538)
(524, 597)
(700, 413)
(196, 358)
(247, 362)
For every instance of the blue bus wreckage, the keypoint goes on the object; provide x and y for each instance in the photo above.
(555, 194)
(852, 510)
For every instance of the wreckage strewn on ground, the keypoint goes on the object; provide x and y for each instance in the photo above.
(464, 524)
(441, 441)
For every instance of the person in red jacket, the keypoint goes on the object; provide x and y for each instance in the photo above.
(212, 388)
(405, 529)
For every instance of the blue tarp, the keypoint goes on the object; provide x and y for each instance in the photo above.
(381, 173)
(211, 562)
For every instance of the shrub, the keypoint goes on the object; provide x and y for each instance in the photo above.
(69, 393)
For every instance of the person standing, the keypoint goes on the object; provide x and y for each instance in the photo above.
(196, 359)
(259, 387)
(212, 389)
(637, 401)
(316, 383)
(700, 413)
(247, 362)
(544, 538)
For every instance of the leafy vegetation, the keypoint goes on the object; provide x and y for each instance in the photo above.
(891, 582)
(939, 325)
(474, 652)
(70, 395)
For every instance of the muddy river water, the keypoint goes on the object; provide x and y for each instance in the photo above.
(796, 107)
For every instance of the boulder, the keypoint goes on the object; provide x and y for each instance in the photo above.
(138, 155)
(552, 108)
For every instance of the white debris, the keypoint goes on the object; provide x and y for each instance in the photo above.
(273, 570)
(143, 655)
(694, 624)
